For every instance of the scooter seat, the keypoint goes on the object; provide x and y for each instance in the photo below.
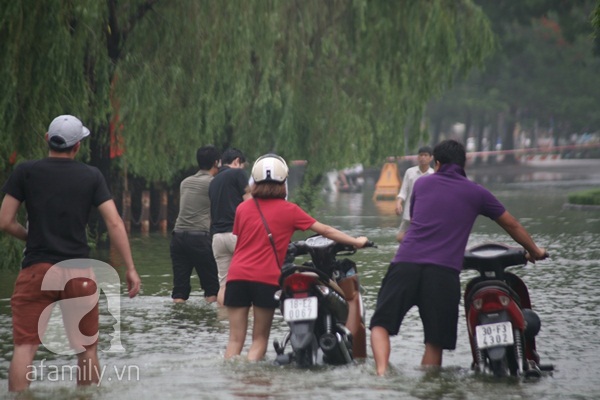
(331, 282)
(308, 273)
(337, 288)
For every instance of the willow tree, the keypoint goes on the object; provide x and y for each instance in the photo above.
(596, 24)
(58, 56)
(46, 49)
(331, 82)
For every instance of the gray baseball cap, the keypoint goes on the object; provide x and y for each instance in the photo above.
(66, 131)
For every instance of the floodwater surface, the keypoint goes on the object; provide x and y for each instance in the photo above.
(176, 351)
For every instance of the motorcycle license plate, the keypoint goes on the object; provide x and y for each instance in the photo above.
(491, 335)
(304, 309)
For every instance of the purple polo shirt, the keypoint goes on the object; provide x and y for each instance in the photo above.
(444, 207)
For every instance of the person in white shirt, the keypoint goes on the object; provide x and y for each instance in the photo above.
(410, 176)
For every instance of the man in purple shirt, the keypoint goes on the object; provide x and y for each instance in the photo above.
(425, 271)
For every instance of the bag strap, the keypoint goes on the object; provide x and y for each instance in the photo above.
(269, 234)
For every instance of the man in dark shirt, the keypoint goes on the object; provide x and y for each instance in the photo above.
(425, 270)
(227, 189)
(59, 194)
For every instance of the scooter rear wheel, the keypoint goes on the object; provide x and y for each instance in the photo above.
(307, 357)
(499, 367)
(507, 366)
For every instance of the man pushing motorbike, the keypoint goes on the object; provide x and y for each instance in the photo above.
(425, 271)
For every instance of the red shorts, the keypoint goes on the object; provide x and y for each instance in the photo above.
(31, 306)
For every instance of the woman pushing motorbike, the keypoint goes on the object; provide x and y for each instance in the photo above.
(264, 226)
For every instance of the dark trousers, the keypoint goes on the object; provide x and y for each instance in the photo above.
(193, 250)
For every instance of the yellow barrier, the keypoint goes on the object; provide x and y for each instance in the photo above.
(388, 185)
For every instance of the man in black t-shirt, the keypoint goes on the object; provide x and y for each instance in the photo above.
(227, 189)
(59, 194)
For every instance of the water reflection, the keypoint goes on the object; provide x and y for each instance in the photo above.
(385, 207)
(566, 171)
(179, 348)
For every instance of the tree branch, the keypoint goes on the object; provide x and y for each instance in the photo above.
(138, 15)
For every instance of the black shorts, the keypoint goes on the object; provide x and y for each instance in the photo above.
(246, 293)
(434, 289)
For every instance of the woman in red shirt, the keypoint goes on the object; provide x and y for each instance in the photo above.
(253, 276)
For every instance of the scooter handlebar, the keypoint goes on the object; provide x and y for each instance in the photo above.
(532, 260)
(346, 247)
(301, 247)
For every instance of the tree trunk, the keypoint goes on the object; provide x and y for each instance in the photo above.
(509, 135)
(145, 215)
(100, 158)
(127, 210)
(496, 137)
(163, 212)
(437, 129)
(468, 126)
(480, 127)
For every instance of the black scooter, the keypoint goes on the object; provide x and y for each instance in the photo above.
(322, 305)
(501, 324)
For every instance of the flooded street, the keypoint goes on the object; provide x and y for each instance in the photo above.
(176, 351)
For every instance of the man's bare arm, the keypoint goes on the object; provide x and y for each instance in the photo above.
(514, 228)
(119, 239)
(8, 218)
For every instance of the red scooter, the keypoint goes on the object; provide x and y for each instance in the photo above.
(501, 324)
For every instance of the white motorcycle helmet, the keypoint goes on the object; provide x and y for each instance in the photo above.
(270, 168)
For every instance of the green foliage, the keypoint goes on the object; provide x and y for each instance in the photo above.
(12, 253)
(12, 248)
(46, 47)
(596, 24)
(308, 194)
(332, 82)
(543, 76)
(586, 197)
